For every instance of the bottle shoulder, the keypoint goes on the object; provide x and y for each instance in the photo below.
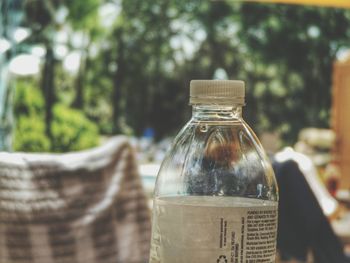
(212, 158)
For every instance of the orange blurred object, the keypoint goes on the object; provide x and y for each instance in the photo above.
(327, 3)
(340, 118)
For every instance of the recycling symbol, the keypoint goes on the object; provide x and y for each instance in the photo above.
(222, 259)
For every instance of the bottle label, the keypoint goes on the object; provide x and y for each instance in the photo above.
(214, 229)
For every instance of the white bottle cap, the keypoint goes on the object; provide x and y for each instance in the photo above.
(221, 92)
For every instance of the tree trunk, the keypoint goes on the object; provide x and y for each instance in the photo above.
(118, 82)
(48, 88)
(78, 102)
(80, 80)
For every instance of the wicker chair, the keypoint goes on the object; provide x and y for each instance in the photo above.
(83, 207)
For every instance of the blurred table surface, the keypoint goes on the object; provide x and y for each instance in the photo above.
(148, 174)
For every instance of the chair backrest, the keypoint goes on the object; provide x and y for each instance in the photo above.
(83, 207)
(327, 202)
(302, 224)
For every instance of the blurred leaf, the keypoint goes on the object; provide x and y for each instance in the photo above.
(72, 131)
(30, 135)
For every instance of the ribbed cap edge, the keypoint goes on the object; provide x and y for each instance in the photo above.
(222, 92)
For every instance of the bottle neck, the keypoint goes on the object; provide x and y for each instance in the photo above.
(216, 112)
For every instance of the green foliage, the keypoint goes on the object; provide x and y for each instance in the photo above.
(30, 128)
(139, 72)
(30, 135)
(83, 14)
(28, 99)
(72, 131)
(299, 44)
(284, 53)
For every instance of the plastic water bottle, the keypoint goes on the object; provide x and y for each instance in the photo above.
(216, 196)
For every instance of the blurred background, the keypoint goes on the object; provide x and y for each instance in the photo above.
(74, 73)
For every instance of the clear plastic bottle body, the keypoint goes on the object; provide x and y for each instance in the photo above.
(216, 173)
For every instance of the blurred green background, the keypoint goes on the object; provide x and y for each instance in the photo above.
(100, 68)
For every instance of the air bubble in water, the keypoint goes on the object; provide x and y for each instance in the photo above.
(203, 128)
